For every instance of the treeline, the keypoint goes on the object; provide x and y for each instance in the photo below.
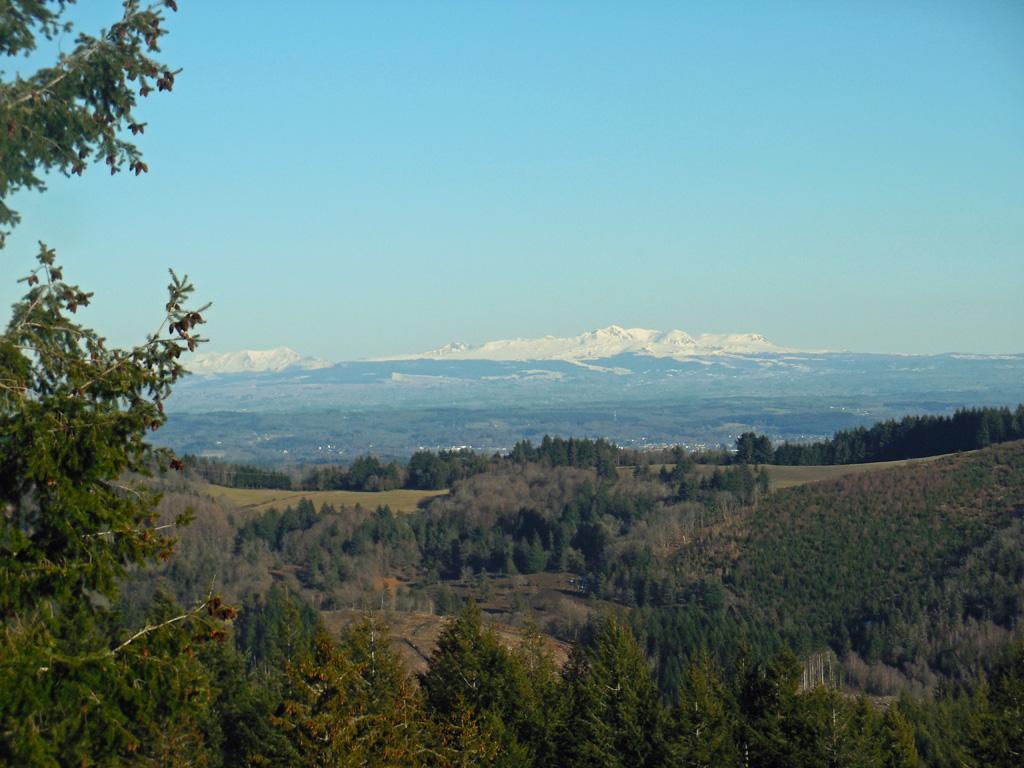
(236, 475)
(284, 693)
(908, 438)
(582, 453)
(366, 473)
(426, 470)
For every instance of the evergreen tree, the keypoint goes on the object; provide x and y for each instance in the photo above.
(539, 709)
(703, 727)
(584, 737)
(996, 725)
(899, 746)
(472, 679)
(351, 704)
(828, 728)
(74, 413)
(768, 701)
(613, 714)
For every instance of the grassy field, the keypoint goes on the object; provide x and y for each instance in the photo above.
(787, 477)
(259, 499)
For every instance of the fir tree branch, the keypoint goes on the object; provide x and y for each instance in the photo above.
(153, 627)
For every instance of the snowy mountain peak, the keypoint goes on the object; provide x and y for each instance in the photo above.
(679, 339)
(607, 342)
(452, 348)
(252, 361)
(625, 334)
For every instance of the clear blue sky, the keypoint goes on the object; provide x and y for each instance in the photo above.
(356, 179)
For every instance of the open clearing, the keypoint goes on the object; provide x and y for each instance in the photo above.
(414, 635)
(780, 476)
(258, 499)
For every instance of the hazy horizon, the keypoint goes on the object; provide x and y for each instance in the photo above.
(366, 179)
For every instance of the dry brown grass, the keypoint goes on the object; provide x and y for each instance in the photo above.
(258, 499)
(414, 635)
(787, 477)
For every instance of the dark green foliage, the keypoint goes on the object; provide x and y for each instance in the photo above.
(471, 677)
(740, 481)
(427, 471)
(73, 415)
(236, 475)
(66, 697)
(76, 687)
(366, 473)
(898, 744)
(273, 628)
(996, 726)
(767, 699)
(912, 437)
(239, 717)
(753, 449)
(613, 714)
(856, 561)
(573, 452)
(431, 471)
(704, 725)
(351, 704)
(273, 526)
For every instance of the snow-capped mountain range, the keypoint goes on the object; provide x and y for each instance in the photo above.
(599, 344)
(605, 343)
(252, 361)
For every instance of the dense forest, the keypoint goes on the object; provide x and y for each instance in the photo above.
(884, 579)
(285, 693)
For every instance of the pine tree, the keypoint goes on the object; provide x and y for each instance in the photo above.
(584, 737)
(75, 688)
(995, 728)
(829, 728)
(350, 704)
(703, 727)
(613, 714)
(898, 744)
(767, 698)
(473, 685)
(539, 707)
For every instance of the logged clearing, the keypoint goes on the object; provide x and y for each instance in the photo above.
(259, 499)
(414, 635)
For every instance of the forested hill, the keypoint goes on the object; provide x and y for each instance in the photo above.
(906, 580)
(917, 568)
(890, 569)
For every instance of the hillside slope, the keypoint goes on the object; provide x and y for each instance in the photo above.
(916, 563)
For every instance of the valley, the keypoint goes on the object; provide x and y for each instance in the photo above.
(600, 384)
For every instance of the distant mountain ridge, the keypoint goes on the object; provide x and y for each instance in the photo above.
(605, 343)
(253, 361)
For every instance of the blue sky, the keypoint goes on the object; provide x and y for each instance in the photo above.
(358, 179)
